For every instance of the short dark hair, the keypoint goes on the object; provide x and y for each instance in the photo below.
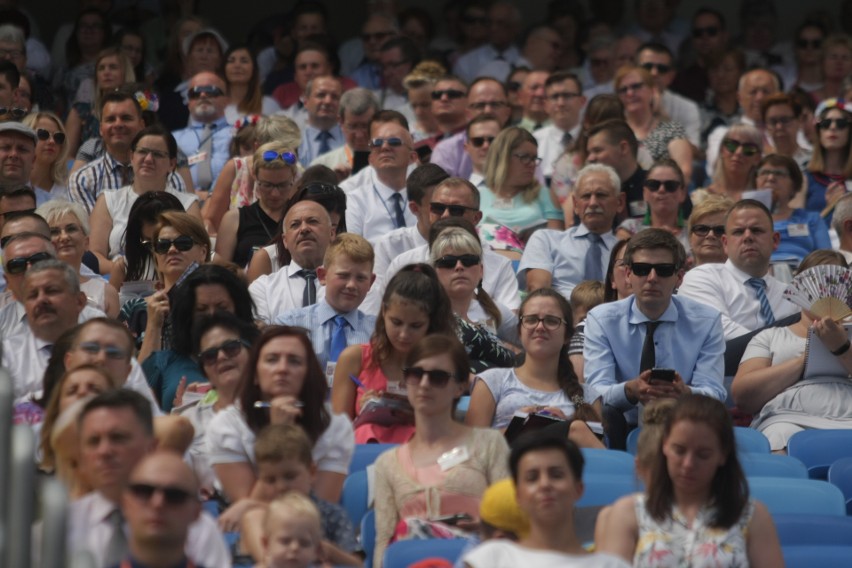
(120, 95)
(18, 191)
(490, 79)
(122, 398)
(788, 164)
(750, 204)
(706, 10)
(479, 120)
(422, 178)
(389, 116)
(441, 224)
(561, 76)
(161, 132)
(656, 47)
(461, 182)
(410, 51)
(652, 238)
(616, 130)
(536, 441)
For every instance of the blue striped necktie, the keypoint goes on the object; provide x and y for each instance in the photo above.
(759, 286)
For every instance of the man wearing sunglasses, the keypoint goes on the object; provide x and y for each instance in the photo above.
(449, 105)
(563, 102)
(130, 480)
(742, 289)
(207, 139)
(709, 39)
(321, 133)
(652, 329)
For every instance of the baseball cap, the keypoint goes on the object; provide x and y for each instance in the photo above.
(13, 126)
(499, 508)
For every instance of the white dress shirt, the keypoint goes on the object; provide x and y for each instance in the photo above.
(551, 146)
(13, 317)
(682, 110)
(90, 529)
(394, 244)
(469, 66)
(370, 209)
(722, 286)
(275, 293)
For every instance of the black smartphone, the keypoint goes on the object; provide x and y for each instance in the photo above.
(454, 519)
(665, 375)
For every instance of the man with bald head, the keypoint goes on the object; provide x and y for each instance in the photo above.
(207, 139)
(307, 233)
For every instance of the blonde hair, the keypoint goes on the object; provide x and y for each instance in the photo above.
(278, 128)
(647, 80)
(126, 68)
(56, 208)
(298, 506)
(710, 205)
(499, 157)
(59, 169)
(587, 294)
(354, 247)
(654, 419)
(282, 441)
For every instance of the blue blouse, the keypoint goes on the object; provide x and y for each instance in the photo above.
(801, 234)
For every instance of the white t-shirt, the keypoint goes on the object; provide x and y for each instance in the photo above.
(507, 554)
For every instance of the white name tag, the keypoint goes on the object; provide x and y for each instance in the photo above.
(396, 388)
(798, 230)
(329, 372)
(196, 158)
(454, 457)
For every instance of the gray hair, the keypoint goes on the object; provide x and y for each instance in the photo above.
(457, 239)
(309, 87)
(13, 34)
(614, 180)
(842, 213)
(278, 128)
(56, 208)
(30, 235)
(68, 273)
(358, 101)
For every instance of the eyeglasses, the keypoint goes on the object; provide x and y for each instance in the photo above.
(556, 97)
(210, 90)
(288, 158)
(11, 53)
(438, 208)
(670, 185)
(16, 113)
(480, 106)
(766, 172)
(182, 243)
(393, 142)
(230, 348)
(628, 88)
(19, 264)
(660, 67)
(44, 135)
(731, 146)
(780, 120)
(528, 159)
(663, 270)
(704, 230)
(174, 496)
(513, 86)
(709, 31)
(551, 323)
(451, 260)
(145, 152)
(437, 377)
(451, 94)
(840, 123)
(479, 141)
(809, 43)
(266, 186)
(111, 351)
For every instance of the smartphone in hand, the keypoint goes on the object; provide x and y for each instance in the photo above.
(662, 375)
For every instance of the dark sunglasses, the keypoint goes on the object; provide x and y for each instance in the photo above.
(288, 158)
(111, 351)
(709, 31)
(182, 243)
(16, 113)
(44, 135)
(631, 87)
(19, 265)
(660, 67)
(9, 215)
(319, 188)
(437, 377)
(749, 149)
(209, 90)
(174, 496)
(451, 94)
(393, 142)
(840, 123)
(704, 230)
(230, 348)
(809, 43)
(670, 185)
(438, 208)
(513, 86)
(450, 260)
(479, 141)
(663, 270)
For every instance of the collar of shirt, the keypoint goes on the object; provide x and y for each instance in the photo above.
(326, 313)
(476, 179)
(385, 191)
(739, 275)
(111, 163)
(292, 269)
(100, 506)
(217, 124)
(637, 317)
(311, 133)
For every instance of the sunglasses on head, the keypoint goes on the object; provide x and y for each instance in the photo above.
(749, 149)
(451, 260)
(288, 158)
(479, 141)
(14, 112)
(709, 31)
(704, 230)
(230, 348)
(319, 188)
(451, 94)
(44, 135)
(660, 67)
(171, 495)
(393, 142)
(551, 323)
(437, 377)
(670, 185)
(111, 351)
(209, 90)
(438, 208)
(840, 123)
(809, 43)
(19, 264)
(181, 243)
(663, 270)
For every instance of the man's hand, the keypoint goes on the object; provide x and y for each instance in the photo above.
(643, 390)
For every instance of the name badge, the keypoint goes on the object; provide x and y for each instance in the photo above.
(329, 372)
(502, 204)
(798, 230)
(196, 158)
(396, 388)
(454, 457)
(637, 208)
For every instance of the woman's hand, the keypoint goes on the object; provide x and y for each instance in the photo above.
(833, 192)
(368, 396)
(284, 410)
(832, 335)
(158, 308)
(181, 389)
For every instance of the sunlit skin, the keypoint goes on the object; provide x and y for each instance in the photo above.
(653, 292)
(225, 373)
(120, 122)
(174, 262)
(693, 455)
(749, 240)
(81, 384)
(51, 306)
(281, 368)
(596, 202)
(66, 234)
(460, 281)
(346, 283)
(17, 157)
(275, 478)
(709, 248)
(546, 488)
(105, 336)
(109, 73)
(428, 399)
(620, 283)
(307, 232)
(541, 342)
(290, 542)
(47, 151)
(489, 129)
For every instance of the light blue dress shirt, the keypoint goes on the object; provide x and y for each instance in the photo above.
(189, 141)
(319, 319)
(689, 340)
(309, 148)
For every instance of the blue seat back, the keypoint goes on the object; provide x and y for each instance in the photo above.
(818, 449)
(798, 530)
(366, 454)
(368, 537)
(772, 465)
(605, 489)
(609, 462)
(784, 495)
(820, 556)
(748, 440)
(840, 475)
(354, 498)
(404, 553)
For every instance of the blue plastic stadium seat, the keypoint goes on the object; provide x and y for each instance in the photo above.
(772, 465)
(366, 454)
(354, 498)
(368, 537)
(605, 489)
(840, 475)
(801, 530)
(404, 553)
(818, 449)
(610, 462)
(817, 556)
(784, 495)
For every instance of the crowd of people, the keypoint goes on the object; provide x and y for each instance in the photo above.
(227, 263)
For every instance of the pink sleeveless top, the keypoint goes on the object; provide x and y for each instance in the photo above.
(374, 379)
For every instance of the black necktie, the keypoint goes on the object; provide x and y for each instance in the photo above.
(399, 214)
(649, 354)
(309, 296)
(323, 138)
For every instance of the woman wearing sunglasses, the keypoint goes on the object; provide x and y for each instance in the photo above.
(251, 227)
(831, 163)
(658, 136)
(50, 172)
(739, 153)
(545, 381)
(664, 191)
(706, 225)
(446, 466)
(153, 158)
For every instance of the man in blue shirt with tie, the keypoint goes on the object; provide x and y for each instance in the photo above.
(627, 341)
(322, 133)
